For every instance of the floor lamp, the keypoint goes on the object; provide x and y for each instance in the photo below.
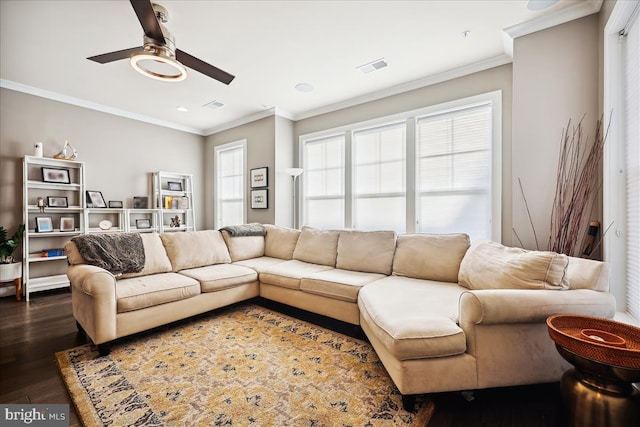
(294, 173)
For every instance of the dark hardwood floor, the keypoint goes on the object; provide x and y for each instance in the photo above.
(30, 333)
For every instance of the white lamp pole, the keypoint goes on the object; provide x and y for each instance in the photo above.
(294, 173)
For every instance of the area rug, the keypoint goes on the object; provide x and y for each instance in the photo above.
(241, 366)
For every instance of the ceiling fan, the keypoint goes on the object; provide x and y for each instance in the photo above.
(158, 58)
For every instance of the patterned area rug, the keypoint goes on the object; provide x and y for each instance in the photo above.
(244, 366)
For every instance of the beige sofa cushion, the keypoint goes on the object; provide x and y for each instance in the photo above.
(221, 276)
(280, 242)
(155, 256)
(490, 265)
(140, 292)
(317, 246)
(243, 247)
(289, 273)
(588, 274)
(367, 251)
(430, 256)
(192, 249)
(338, 284)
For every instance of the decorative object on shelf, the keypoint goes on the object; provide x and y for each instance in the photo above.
(259, 199)
(105, 224)
(47, 253)
(41, 204)
(183, 202)
(174, 186)
(44, 224)
(8, 246)
(294, 173)
(259, 177)
(57, 202)
(95, 199)
(67, 223)
(116, 204)
(56, 175)
(140, 202)
(67, 153)
(38, 149)
(143, 223)
(175, 221)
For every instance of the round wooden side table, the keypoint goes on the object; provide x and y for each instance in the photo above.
(599, 391)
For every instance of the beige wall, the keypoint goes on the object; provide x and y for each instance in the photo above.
(555, 78)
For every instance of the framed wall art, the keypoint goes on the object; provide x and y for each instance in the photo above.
(259, 199)
(259, 177)
(174, 186)
(116, 204)
(57, 202)
(140, 202)
(55, 175)
(67, 224)
(143, 223)
(95, 199)
(44, 224)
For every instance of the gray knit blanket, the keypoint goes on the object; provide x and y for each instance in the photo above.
(253, 229)
(117, 253)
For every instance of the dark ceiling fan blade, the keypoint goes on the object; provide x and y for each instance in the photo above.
(114, 56)
(148, 20)
(204, 68)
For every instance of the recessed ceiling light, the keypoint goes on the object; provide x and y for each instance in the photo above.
(183, 109)
(465, 34)
(373, 66)
(540, 4)
(304, 87)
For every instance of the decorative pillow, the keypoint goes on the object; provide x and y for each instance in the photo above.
(191, 249)
(430, 256)
(243, 247)
(367, 251)
(490, 265)
(317, 246)
(280, 242)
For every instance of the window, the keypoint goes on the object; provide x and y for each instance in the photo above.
(229, 160)
(434, 170)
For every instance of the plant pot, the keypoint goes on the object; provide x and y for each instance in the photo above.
(9, 272)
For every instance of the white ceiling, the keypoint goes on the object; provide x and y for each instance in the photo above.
(269, 46)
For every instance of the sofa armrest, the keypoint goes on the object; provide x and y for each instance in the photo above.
(501, 306)
(93, 298)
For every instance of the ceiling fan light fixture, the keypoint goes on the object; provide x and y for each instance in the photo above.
(157, 66)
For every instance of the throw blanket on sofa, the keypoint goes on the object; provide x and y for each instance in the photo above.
(117, 253)
(253, 229)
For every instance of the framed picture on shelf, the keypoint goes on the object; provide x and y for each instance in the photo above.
(44, 224)
(259, 177)
(174, 186)
(67, 224)
(95, 199)
(140, 202)
(143, 223)
(116, 204)
(259, 199)
(55, 175)
(57, 202)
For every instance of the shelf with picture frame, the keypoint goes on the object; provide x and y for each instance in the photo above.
(141, 220)
(173, 197)
(53, 213)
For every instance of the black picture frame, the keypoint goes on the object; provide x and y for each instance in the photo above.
(95, 199)
(140, 202)
(143, 223)
(67, 223)
(57, 202)
(260, 199)
(44, 224)
(174, 185)
(56, 175)
(116, 204)
(259, 177)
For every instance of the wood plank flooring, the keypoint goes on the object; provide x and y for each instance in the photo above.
(30, 333)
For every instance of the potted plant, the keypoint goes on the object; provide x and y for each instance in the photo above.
(9, 268)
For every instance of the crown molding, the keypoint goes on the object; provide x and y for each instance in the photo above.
(273, 111)
(54, 96)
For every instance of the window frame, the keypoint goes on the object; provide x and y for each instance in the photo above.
(242, 144)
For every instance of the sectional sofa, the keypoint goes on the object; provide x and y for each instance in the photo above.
(442, 313)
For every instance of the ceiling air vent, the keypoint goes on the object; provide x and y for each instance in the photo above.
(373, 66)
(214, 105)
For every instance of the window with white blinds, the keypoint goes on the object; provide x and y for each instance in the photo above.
(454, 172)
(631, 119)
(379, 176)
(229, 160)
(323, 190)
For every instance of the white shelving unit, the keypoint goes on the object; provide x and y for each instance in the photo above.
(49, 272)
(173, 197)
(136, 220)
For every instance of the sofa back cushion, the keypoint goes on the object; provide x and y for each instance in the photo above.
(430, 256)
(588, 274)
(191, 249)
(317, 246)
(366, 251)
(155, 256)
(280, 242)
(490, 265)
(243, 247)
